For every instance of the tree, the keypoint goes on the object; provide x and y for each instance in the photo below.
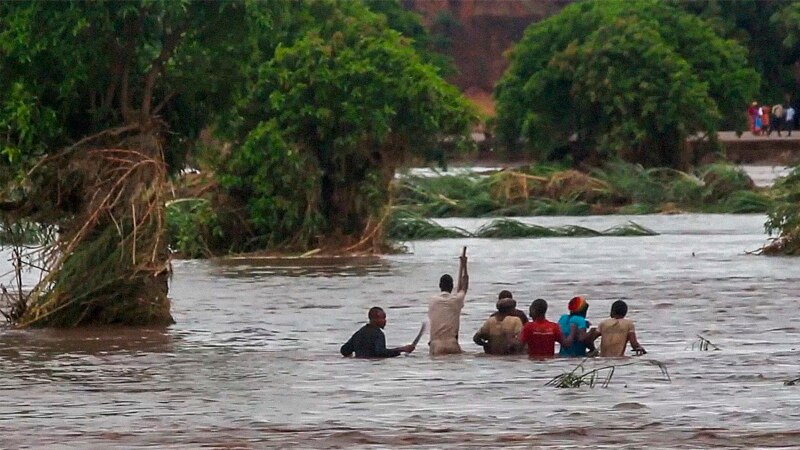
(759, 26)
(102, 96)
(631, 80)
(332, 114)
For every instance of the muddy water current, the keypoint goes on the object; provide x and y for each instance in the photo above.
(253, 359)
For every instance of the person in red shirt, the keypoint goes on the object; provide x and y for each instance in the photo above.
(541, 335)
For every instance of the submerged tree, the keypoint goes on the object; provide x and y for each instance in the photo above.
(323, 123)
(100, 97)
(621, 79)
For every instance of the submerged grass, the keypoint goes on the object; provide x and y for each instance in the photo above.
(600, 376)
(553, 190)
(408, 226)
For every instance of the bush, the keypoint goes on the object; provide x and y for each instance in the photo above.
(193, 227)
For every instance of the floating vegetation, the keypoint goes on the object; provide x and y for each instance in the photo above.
(575, 379)
(629, 229)
(407, 226)
(704, 344)
(600, 376)
(509, 228)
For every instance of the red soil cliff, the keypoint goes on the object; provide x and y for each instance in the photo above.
(480, 32)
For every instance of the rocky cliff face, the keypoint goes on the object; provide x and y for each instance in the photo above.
(480, 31)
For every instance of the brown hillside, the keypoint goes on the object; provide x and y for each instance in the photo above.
(480, 32)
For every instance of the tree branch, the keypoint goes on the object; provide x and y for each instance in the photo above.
(171, 41)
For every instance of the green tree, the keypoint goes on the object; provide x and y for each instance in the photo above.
(759, 26)
(332, 114)
(426, 43)
(624, 79)
(101, 97)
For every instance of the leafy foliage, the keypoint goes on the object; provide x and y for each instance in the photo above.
(784, 217)
(768, 29)
(190, 223)
(626, 79)
(351, 99)
(76, 68)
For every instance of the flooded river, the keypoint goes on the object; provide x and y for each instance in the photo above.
(253, 359)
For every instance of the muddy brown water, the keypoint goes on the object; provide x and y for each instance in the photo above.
(253, 359)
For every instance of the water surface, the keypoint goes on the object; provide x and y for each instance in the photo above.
(253, 359)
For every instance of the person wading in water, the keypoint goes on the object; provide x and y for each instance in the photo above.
(499, 335)
(507, 295)
(369, 341)
(541, 335)
(576, 326)
(444, 311)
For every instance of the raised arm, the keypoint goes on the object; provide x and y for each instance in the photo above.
(463, 276)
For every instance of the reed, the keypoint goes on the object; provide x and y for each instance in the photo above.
(407, 226)
(704, 344)
(600, 376)
(509, 228)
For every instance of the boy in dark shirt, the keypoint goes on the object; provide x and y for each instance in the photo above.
(369, 341)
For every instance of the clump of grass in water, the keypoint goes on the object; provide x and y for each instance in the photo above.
(629, 229)
(405, 226)
(509, 228)
(600, 376)
(743, 202)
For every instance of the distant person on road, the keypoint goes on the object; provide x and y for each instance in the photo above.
(752, 113)
(777, 119)
(540, 335)
(370, 342)
(504, 294)
(617, 331)
(499, 335)
(757, 123)
(789, 120)
(765, 124)
(444, 312)
(575, 325)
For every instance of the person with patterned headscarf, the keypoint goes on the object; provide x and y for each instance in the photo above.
(575, 325)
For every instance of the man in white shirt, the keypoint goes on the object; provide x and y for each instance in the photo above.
(789, 120)
(444, 312)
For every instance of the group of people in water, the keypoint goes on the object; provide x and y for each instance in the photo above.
(764, 119)
(507, 331)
